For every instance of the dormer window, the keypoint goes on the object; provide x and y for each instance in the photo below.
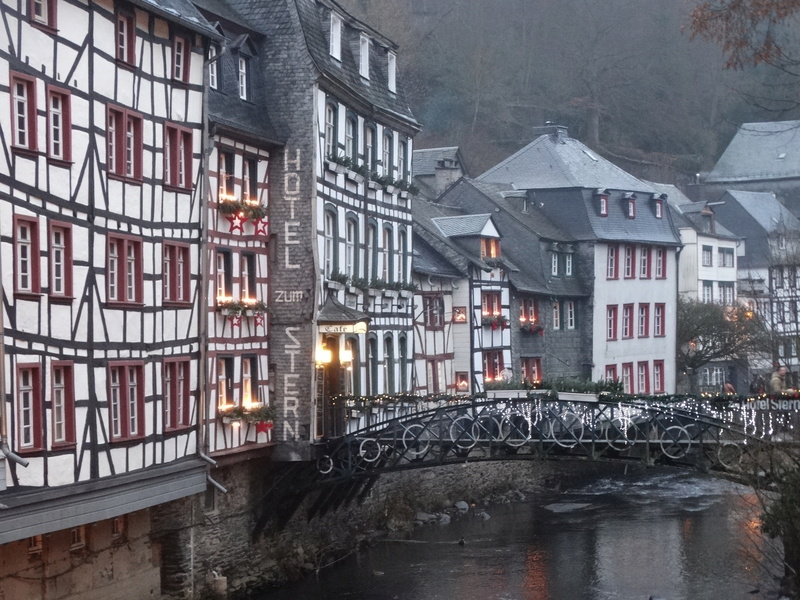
(212, 67)
(391, 67)
(243, 76)
(336, 36)
(490, 248)
(603, 199)
(631, 208)
(363, 64)
(659, 208)
(554, 264)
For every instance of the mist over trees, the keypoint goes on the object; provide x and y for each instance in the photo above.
(623, 75)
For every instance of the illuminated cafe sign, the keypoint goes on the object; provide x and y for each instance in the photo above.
(358, 327)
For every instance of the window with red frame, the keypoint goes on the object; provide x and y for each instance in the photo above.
(62, 402)
(611, 322)
(644, 262)
(661, 263)
(630, 262)
(531, 369)
(124, 270)
(492, 365)
(627, 321)
(627, 378)
(60, 260)
(23, 111)
(29, 407)
(491, 304)
(43, 13)
(249, 379)
(612, 262)
(181, 53)
(126, 37)
(433, 311)
(643, 378)
(176, 393)
(126, 401)
(59, 125)
(659, 313)
(124, 148)
(658, 376)
(26, 256)
(631, 208)
(177, 156)
(176, 272)
(611, 372)
(644, 320)
(528, 310)
(247, 276)
(250, 180)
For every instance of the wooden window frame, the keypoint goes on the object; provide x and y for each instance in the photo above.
(243, 77)
(570, 314)
(531, 369)
(391, 71)
(178, 157)
(627, 368)
(627, 321)
(213, 71)
(659, 319)
(23, 112)
(223, 277)
(363, 55)
(387, 153)
(124, 144)
(491, 303)
(125, 37)
(335, 48)
(65, 247)
(612, 261)
(433, 310)
(181, 58)
(661, 263)
(629, 268)
(611, 373)
(176, 393)
(529, 310)
(557, 314)
(67, 388)
(126, 418)
(659, 208)
(658, 376)
(631, 213)
(176, 273)
(707, 256)
(59, 150)
(493, 365)
(603, 205)
(568, 265)
(643, 320)
(331, 127)
(248, 276)
(612, 317)
(48, 17)
(122, 276)
(30, 428)
(224, 380)
(643, 377)
(645, 263)
(30, 247)
(250, 179)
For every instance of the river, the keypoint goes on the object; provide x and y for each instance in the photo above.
(663, 533)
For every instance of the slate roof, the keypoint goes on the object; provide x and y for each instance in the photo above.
(686, 213)
(462, 225)
(426, 260)
(424, 160)
(555, 161)
(179, 11)
(760, 151)
(524, 250)
(754, 216)
(334, 311)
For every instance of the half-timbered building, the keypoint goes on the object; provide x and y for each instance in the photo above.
(100, 234)
(340, 215)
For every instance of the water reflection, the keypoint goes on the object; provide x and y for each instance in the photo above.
(670, 534)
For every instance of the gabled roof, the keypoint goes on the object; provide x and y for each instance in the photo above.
(555, 161)
(425, 160)
(686, 213)
(466, 225)
(760, 151)
(179, 11)
(428, 261)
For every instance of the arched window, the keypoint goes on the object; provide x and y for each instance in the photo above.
(388, 365)
(351, 138)
(387, 154)
(402, 253)
(372, 252)
(369, 147)
(330, 263)
(350, 246)
(330, 130)
(402, 149)
(386, 255)
(372, 365)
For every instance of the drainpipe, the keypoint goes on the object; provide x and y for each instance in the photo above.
(4, 448)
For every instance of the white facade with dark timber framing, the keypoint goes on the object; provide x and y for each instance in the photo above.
(100, 233)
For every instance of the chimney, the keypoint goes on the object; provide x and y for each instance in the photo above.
(446, 173)
(558, 132)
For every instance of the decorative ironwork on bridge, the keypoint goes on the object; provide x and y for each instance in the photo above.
(729, 437)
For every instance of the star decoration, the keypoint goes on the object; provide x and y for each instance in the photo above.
(236, 321)
(237, 222)
(263, 427)
(258, 319)
(261, 226)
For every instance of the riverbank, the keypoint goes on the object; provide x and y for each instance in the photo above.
(396, 503)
